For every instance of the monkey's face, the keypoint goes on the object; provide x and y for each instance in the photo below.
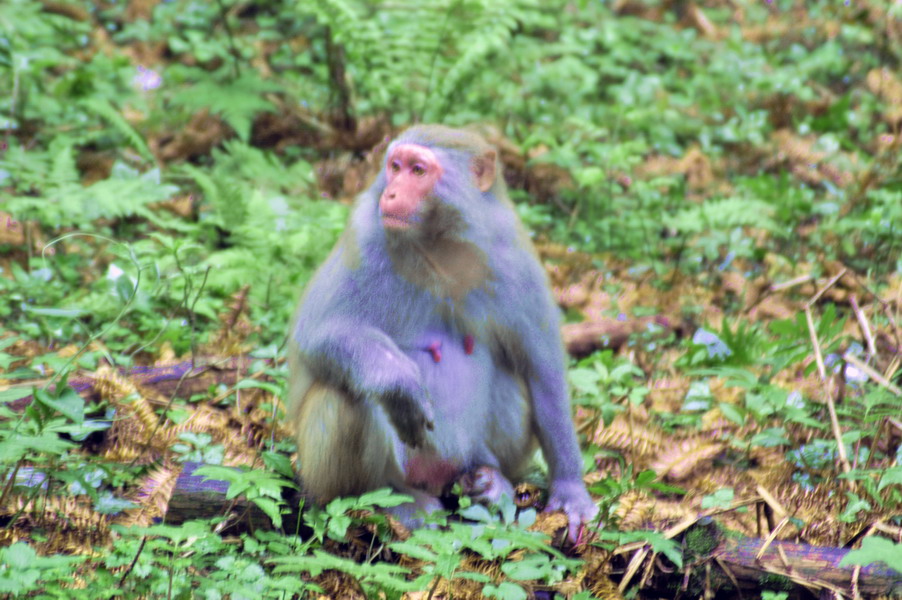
(412, 172)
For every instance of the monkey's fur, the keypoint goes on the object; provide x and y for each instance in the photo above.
(423, 354)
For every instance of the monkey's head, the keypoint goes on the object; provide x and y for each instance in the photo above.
(435, 177)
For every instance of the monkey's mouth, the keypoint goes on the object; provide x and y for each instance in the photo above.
(390, 222)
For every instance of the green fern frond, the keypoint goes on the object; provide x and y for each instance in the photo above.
(63, 170)
(419, 57)
(227, 197)
(479, 45)
(108, 112)
(49, 187)
(722, 214)
(237, 101)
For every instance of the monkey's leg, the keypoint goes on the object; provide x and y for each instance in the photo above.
(344, 446)
(347, 446)
(508, 445)
(510, 442)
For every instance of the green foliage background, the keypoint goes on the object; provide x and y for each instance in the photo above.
(580, 86)
(592, 92)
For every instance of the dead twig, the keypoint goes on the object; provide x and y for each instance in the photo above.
(871, 372)
(863, 324)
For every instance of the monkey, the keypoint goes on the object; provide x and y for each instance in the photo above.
(426, 349)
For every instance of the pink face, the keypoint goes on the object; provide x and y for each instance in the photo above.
(412, 173)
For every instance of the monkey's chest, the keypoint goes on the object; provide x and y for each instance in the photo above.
(456, 370)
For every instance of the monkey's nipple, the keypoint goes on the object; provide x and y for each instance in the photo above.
(469, 343)
(435, 349)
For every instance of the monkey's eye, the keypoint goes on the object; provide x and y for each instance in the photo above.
(395, 166)
(418, 170)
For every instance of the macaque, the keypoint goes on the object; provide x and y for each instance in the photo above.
(426, 350)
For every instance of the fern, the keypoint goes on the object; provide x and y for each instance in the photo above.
(106, 111)
(722, 214)
(494, 35)
(63, 171)
(53, 193)
(241, 171)
(263, 169)
(263, 207)
(237, 101)
(274, 232)
(416, 57)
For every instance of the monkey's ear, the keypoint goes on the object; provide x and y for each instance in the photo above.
(483, 167)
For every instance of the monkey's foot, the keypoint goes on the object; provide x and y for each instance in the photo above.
(486, 485)
(572, 498)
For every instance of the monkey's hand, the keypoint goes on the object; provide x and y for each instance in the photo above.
(411, 415)
(368, 361)
(571, 497)
(397, 386)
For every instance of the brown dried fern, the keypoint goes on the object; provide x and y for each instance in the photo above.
(69, 523)
(152, 497)
(680, 460)
(605, 589)
(634, 510)
(636, 438)
(124, 395)
(127, 441)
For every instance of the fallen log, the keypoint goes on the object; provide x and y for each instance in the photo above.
(817, 565)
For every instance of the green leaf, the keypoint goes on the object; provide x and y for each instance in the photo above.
(108, 504)
(237, 101)
(384, 498)
(773, 436)
(20, 446)
(722, 498)
(892, 475)
(853, 508)
(19, 556)
(72, 313)
(505, 591)
(271, 508)
(532, 567)
(732, 412)
(414, 551)
(658, 543)
(875, 549)
(13, 394)
(245, 384)
(106, 110)
(584, 380)
(280, 463)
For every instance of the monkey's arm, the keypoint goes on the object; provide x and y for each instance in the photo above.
(368, 363)
(538, 326)
(557, 436)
